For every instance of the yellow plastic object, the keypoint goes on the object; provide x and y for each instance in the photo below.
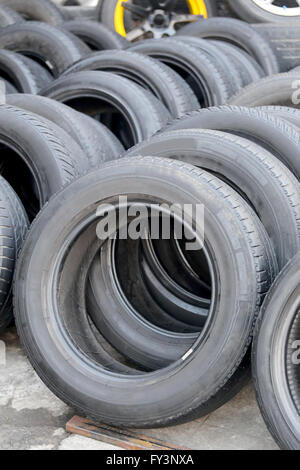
(196, 7)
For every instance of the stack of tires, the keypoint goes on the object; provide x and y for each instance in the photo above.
(141, 19)
(128, 311)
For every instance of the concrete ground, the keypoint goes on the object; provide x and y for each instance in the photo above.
(31, 417)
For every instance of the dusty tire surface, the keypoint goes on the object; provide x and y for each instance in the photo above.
(96, 35)
(14, 226)
(48, 159)
(36, 10)
(193, 65)
(151, 74)
(98, 143)
(142, 113)
(276, 135)
(8, 16)
(276, 90)
(241, 34)
(24, 74)
(44, 42)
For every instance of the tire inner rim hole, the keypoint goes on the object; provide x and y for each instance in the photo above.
(17, 173)
(108, 114)
(74, 273)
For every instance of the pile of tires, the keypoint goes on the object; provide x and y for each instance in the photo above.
(130, 321)
(137, 19)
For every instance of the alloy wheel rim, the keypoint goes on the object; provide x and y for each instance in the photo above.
(156, 21)
(288, 8)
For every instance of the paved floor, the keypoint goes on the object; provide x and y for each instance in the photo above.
(31, 417)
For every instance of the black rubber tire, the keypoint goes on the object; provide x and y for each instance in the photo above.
(252, 13)
(291, 115)
(36, 10)
(78, 13)
(96, 35)
(275, 358)
(9, 16)
(285, 42)
(178, 268)
(149, 73)
(248, 68)
(143, 113)
(105, 11)
(9, 88)
(255, 173)
(282, 89)
(180, 303)
(189, 388)
(226, 67)
(276, 135)
(166, 311)
(207, 81)
(127, 257)
(129, 333)
(44, 42)
(238, 33)
(13, 229)
(24, 74)
(50, 158)
(98, 143)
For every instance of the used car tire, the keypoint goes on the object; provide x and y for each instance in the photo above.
(8, 87)
(186, 388)
(238, 33)
(50, 45)
(78, 13)
(247, 66)
(276, 135)
(282, 89)
(223, 63)
(127, 260)
(38, 157)
(23, 73)
(285, 41)
(149, 73)
(36, 10)
(8, 16)
(291, 115)
(98, 143)
(275, 358)
(138, 340)
(205, 79)
(95, 93)
(251, 170)
(13, 229)
(96, 35)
